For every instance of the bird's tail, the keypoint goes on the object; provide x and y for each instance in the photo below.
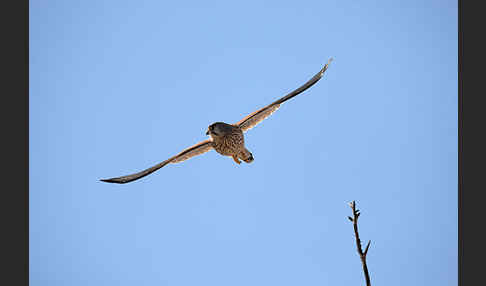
(246, 156)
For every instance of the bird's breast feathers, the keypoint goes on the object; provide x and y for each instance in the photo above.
(230, 144)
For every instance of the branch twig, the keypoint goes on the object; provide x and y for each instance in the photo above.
(362, 254)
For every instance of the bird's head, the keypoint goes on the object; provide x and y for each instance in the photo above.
(219, 129)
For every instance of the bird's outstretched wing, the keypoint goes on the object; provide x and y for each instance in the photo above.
(256, 117)
(198, 149)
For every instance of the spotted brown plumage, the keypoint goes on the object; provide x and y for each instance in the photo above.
(226, 139)
(230, 142)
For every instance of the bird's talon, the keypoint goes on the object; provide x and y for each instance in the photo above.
(236, 160)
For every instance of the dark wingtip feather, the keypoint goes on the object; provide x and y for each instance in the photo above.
(113, 180)
(326, 66)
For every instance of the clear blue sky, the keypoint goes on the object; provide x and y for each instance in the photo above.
(117, 86)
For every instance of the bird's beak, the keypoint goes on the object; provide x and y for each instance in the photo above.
(207, 132)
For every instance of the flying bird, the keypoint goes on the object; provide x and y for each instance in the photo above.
(226, 139)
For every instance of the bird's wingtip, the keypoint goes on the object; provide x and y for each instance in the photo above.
(326, 66)
(109, 181)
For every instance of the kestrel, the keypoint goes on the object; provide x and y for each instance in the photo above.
(226, 139)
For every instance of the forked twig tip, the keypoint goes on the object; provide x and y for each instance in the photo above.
(367, 247)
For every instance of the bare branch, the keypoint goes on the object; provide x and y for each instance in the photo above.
(362, 254)
(366, 248)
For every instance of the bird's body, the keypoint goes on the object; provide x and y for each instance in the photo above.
(226, 139)
(231, 144)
